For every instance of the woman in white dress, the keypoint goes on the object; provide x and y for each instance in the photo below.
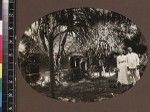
(122, 68)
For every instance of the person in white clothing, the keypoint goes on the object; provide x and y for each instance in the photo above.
(133, 65)
(122, 68)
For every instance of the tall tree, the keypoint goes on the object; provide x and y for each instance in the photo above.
(61, 24)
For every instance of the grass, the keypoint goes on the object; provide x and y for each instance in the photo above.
(86, 91)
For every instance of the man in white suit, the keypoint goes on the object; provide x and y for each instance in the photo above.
(133, 65)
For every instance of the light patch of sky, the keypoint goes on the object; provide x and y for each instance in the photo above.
(29, 33)
(34, 26)
(21, 47)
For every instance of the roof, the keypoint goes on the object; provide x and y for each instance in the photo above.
(77, 54)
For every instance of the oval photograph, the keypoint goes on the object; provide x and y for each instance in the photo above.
(82, 55)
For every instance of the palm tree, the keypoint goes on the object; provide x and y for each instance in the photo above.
(61, 24)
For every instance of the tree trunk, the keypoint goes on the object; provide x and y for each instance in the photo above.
(51, 68)
(61, 50)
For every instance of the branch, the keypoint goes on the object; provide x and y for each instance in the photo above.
(60, 33)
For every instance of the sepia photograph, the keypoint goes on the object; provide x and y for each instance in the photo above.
(82, 55)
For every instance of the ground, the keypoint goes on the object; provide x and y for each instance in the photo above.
(85, 90)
